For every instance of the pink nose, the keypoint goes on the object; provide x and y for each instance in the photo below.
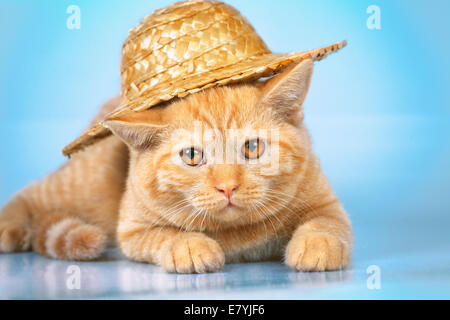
(227, 188)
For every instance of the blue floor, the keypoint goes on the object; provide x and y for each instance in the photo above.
(409, 268)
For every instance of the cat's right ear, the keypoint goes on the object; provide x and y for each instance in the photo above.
(140, 130)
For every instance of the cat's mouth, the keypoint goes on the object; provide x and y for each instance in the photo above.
(230, 205)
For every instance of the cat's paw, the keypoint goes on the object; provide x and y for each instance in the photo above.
(14, 238)
(192, 254)
(317, 252)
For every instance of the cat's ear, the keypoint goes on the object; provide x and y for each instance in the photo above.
(286, 92)
(139, 130)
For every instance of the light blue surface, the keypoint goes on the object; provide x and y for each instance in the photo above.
(421, 275)
(378, 112)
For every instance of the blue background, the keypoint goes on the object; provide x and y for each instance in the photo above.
(378, 112)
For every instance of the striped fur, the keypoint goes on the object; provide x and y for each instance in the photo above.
(166, 213)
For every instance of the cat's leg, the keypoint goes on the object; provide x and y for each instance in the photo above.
(170, 248)
(323, 242)
(50, 233)
(64, 236)
(71, 213)
(15, 231)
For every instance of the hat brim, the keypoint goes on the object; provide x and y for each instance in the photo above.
(246, 70)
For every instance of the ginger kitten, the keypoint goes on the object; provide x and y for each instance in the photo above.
(223, 175)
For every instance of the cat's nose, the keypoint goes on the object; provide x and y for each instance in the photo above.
(227, 188)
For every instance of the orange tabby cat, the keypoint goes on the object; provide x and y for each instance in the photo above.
(172, 200)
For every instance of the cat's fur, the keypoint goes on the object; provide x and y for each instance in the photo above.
(160, 211)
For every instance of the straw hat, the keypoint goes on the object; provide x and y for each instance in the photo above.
(187, 47)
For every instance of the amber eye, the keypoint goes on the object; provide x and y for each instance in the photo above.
(253, 149)
(192, 156)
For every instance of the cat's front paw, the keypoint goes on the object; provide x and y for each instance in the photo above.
(14, 238)
(192, 254)
(317, 252)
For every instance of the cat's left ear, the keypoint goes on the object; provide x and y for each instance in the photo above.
(286, 92)
(139, 131)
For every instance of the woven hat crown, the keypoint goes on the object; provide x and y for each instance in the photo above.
(185, 38)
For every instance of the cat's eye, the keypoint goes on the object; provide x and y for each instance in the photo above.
(192, 156)
(253, 149)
